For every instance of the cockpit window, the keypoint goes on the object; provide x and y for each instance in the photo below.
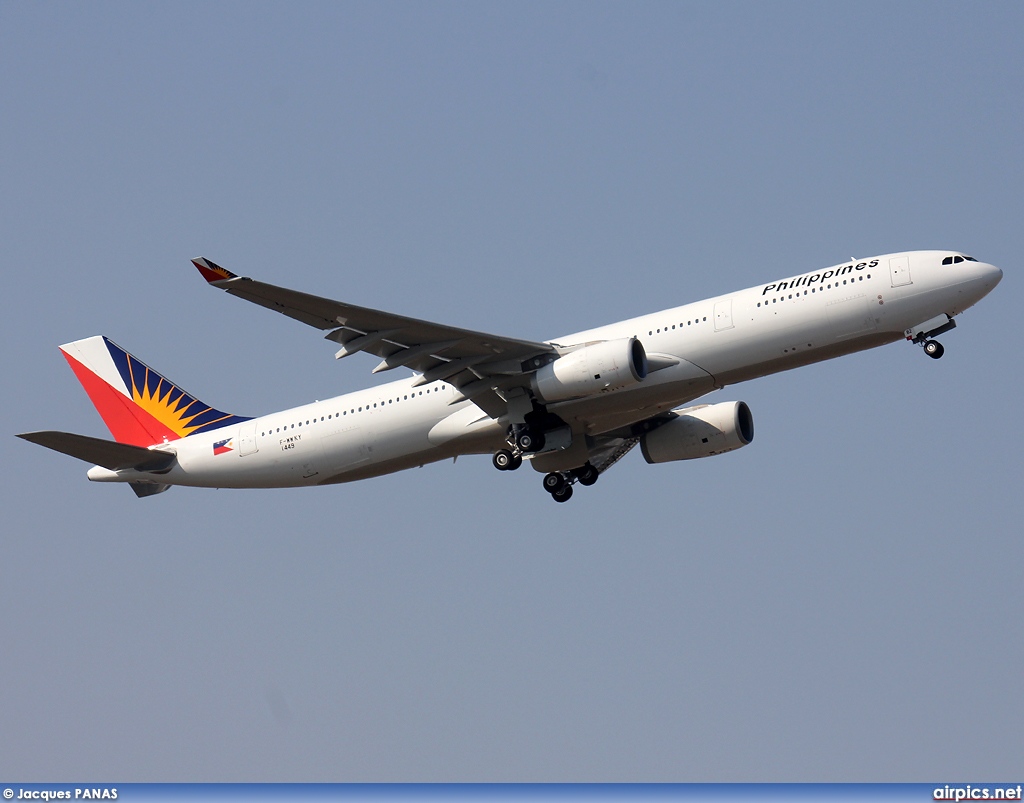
(969, 259)
(954, 260)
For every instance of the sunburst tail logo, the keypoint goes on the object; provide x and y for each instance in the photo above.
(139, 405)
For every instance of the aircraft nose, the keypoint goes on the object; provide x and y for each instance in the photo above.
(993, 275)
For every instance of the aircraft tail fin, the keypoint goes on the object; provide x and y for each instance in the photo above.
(139, 406)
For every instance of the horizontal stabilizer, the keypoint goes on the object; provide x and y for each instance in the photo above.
(109, 454)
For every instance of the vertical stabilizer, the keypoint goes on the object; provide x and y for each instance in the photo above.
(138, 405)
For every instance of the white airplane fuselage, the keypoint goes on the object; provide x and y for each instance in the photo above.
(693, 349)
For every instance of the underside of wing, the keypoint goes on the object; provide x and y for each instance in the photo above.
(610, 450)
(482, 366)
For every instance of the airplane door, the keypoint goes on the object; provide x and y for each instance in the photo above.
(723, 315)
(247, 439)
(899, 269)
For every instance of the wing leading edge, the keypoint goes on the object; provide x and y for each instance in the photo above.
(480, 365)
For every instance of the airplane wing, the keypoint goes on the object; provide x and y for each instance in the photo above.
(480, 365)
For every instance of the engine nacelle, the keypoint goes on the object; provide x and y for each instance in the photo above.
(701, 431)
(594, 368)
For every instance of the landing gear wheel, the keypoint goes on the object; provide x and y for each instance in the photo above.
(504, 460)
(554, 482)
(530, 441)
(933, 348)
(517, 461)
(587, 474)
(563, 495)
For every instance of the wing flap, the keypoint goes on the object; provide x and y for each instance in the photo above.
(610, 451)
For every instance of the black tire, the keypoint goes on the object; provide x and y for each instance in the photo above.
(554, 482)
(587, 475)
(503, 459)
(934, 349)
(564, 495)
(530, 441)
(517, 461)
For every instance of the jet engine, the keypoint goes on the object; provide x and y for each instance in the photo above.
(700, 431)
(594, 368)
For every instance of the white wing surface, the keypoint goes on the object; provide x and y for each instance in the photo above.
(480, 365)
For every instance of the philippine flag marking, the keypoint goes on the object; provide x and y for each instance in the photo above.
(223, 447)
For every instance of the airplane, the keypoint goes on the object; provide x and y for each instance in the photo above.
(572, 407)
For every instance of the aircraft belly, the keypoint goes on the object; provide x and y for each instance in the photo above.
(387, 466)
(797, 358)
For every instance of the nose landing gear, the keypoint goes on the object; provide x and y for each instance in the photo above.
(923, 332)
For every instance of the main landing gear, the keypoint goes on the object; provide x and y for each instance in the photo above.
(521, 439)
(559, 483)
(504, 460)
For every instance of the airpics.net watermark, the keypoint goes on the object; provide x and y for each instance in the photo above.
(969, 792)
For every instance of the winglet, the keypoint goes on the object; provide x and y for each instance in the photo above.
(211, 271)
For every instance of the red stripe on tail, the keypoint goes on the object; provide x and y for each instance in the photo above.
(127, 422)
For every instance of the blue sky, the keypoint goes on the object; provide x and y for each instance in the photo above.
(839, 601)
